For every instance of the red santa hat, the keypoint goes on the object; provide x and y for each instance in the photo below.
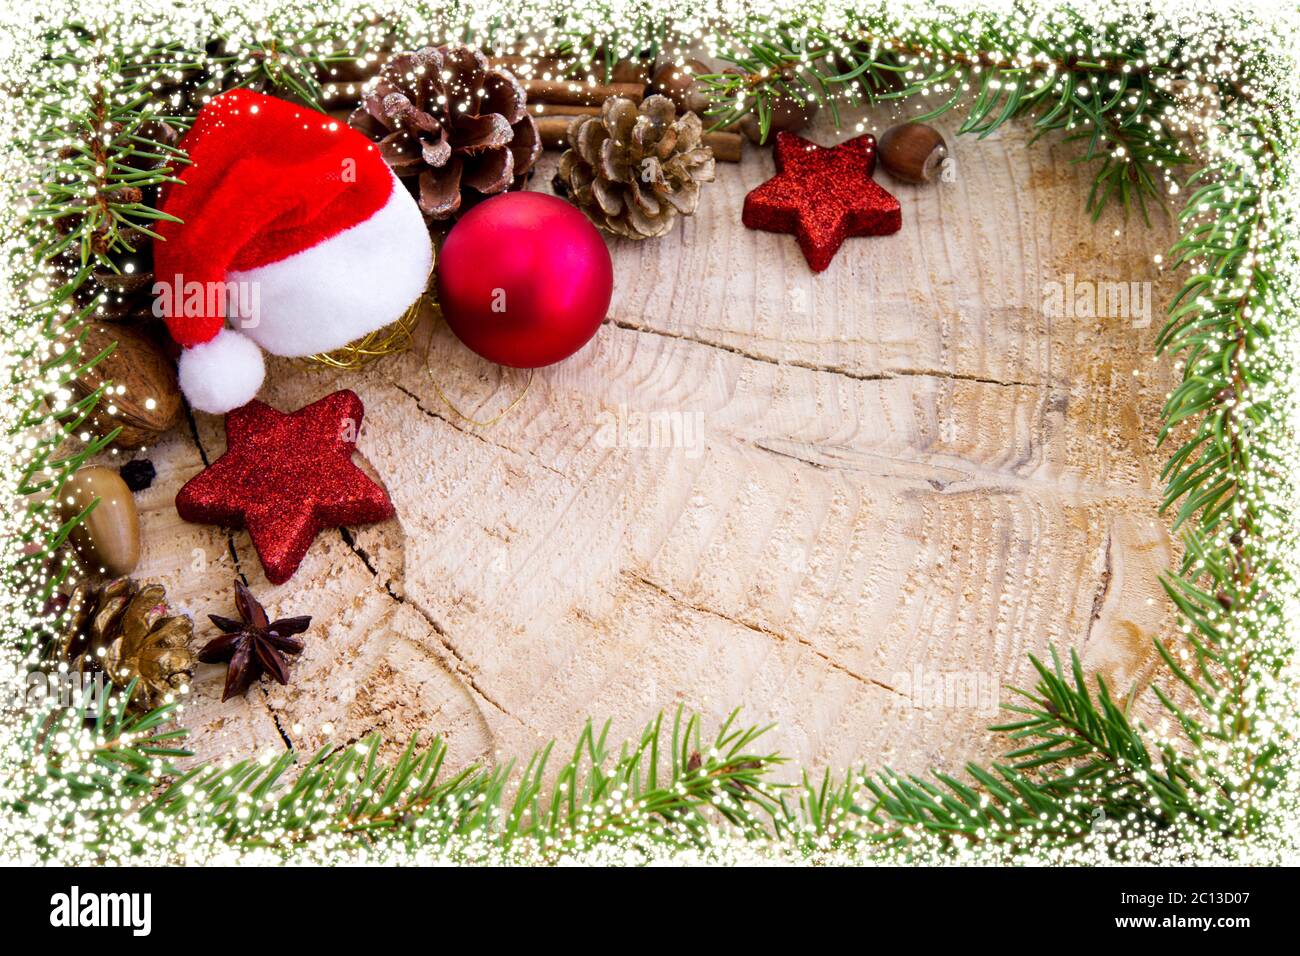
(293, 236)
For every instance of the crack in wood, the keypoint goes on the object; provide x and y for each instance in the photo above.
(760, 629)
(1103, 586)
(275, 718)
(355, 739)
(886, 375)
(461, 667)
(960, 377)
(473, 434)
(962, 482)
(935, 481)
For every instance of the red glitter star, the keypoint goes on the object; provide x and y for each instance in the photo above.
(285, 477)
(823, 195)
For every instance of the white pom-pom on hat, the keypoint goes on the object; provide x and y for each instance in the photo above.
(223, 373)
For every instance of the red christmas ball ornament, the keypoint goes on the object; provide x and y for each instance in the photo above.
(524, 279)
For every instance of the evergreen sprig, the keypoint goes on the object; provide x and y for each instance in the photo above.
(103, 164)
(288, 63)
(667, 786)
(1220, 472)
(95, 748)
(104, 170)
(1079, 761)
(1106, 96)
(1216, 321)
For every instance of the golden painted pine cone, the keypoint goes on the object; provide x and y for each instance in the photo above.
(125, 632)
(632, 171)
(450, 126)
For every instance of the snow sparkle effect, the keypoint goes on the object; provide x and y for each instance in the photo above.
(72, 818)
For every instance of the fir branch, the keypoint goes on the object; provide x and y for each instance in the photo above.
(665, 788)
(1112, 101)
(1217, 323)
(273, 56)
(1080, 761)
(93, 202)
(90, 751)
(1214, 321)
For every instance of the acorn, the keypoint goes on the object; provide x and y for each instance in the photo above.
(679, 84)
(789, 114)
(912, 152)
(109, 538)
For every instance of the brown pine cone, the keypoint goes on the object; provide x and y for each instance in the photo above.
(127, 633)
(127, 284)
(124, 289)
(633, 170)
(447, 122)
(128, 292)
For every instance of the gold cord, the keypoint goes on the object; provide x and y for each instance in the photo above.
(428, 346)
(393, 338)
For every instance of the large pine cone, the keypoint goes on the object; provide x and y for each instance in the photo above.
(447, 122)
(126, 632)
(633, 170)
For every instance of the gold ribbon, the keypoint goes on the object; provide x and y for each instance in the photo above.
(428, 346)
(393, 338)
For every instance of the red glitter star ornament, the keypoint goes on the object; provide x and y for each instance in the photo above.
(285, 477)
(823, 195)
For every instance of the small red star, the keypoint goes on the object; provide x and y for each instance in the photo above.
(823, 195)
(285, 477)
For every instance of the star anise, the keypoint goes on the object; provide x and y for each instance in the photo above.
(253, 644)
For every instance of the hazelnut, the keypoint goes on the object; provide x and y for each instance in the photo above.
(678, 83)
(912, 152)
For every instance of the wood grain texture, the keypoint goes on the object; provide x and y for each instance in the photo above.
(850, 503)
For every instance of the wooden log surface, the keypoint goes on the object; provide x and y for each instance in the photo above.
(843, 502)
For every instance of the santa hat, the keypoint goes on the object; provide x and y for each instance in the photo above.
(293, 235)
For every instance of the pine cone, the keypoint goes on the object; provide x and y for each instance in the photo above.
(125, 632)
(447, 122)
(128, 292)
(126, 285)
(632, 171)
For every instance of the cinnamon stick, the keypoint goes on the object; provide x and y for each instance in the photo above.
(725, 145)
(573, 93)
(554, 129)
(624, 71)
(561, 109)
(631, 71)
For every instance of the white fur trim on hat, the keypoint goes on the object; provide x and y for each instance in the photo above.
(343, 288)
(221, 374)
